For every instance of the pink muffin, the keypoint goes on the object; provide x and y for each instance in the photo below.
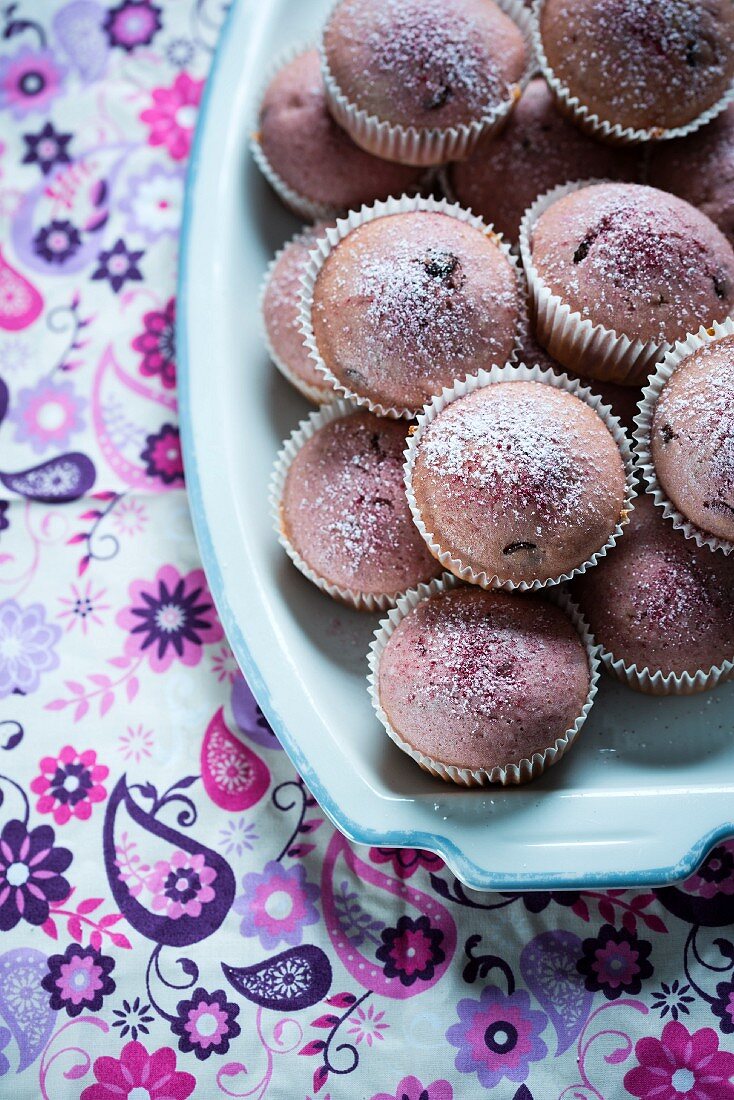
(344, 514)
(281, 303)
(481, 680)
(427, 65)
(660, 602)
(406, 303)
(700, 169)
(313, 156)
(537, 150)
(518, 482)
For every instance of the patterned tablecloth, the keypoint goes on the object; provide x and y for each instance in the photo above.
(178, 918)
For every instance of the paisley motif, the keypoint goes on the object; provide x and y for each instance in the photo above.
(20, 302)
(234, 777)
(294, 979)
(57, 481)
(171, 888)
(23, 1004)
(399, 961)
(548, 966)
(78, 28)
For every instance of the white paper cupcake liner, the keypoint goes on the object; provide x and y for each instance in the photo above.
(362, 601)
(355, 218)
(512, 774)
(575, 341)
(518, 373)
(410, 145)
(600, 128)
(654, 682)
(643, 450)
(318, 395)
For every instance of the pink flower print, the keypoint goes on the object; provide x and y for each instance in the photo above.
(79, 980)
(156, 344)
(410, 1088)
(29, 80)
(716, 873)
(47, 415)
(406, 861)
(181, 885)
(129, 517)
(170, 618)
(497, 1036)
(69, 785)
(83, 607)
(162, 456)
(367, 1025)
(206, 1023)
(136, 744)
(681, 1066)
(147, 1076)
(276, 905)
(224, 665)
(172, 116)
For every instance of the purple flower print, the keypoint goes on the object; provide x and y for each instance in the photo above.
(29, 80)
(406, 861)
(118, 265)
(26, 647)
(132, 23)
(538, 900)
(497, 1036)
(723, 1007)
(132, 1019)
(153, 202)
(206, 1023)
(715, 875)
(277, 905)
(170, 618)
(181, 885)
(411, 951)
(4, 521)
(162, 455)
(410, 1088)
(70, 784)
(79, 980)
(674, 999)
(681, 1066)
(30, 874)
(47, 148)
(157, 344)
(47, 415)
(57, 241)
(615, 962)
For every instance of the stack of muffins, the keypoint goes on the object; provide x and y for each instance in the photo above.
(509, 332)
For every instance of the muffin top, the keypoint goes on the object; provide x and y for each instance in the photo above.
(314, 156)
(430, 64)
(700, 169)
(659, 601)
(519, 480)
(537, 150)
(692, 438)
(344, 508)
(409, 302)
(281, 306)
(482, 679)
(641, 63)
(636, 260)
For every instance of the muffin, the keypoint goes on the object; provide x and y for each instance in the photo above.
(700, 169)
(660, 606)
(692, 438)
(408, 302)
(641, 263)
(640, 65)
(516, 483)
(418, 81)
(470, 683)
(537, 150)
(312, 158)
(342, 512)
(280, 305)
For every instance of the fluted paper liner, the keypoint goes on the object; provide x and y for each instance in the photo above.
(411, 145)
(513, 773)
(517, 373)
(404, 205)
(362, 601)
(575, 341)
(643, 447)
(602, 129)
(319, 396)
(654, 682)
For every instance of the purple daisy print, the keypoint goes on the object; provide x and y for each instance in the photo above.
(47, 415)
(29, 80)
(57, 241)
(162, 455)
(132, 23)
(27, 647)
(277, 905)
(156, 344)
(119, 265)
(206, 1023)
(30, 873)
(79, 980)
(411, 951)
(615, 962)
(181, 885)
(47, 148)
(497, 1036)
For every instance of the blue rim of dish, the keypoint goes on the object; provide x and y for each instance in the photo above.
(470, 873)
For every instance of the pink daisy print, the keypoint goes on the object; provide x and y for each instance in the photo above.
(181, 885)
(83, 607)
(172, 116)
(70, 784)
(146, 1076)
(681, 1065)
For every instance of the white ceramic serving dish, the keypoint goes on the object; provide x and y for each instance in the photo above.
(649, 787)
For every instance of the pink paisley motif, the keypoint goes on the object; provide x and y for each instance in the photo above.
(234, 776)
(20, 302)
(431, 918)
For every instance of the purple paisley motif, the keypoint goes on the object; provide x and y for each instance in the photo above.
(292, 980)
(57, 481)
(548, 966)
(78, 27)
(152, 900)
(24, 1004)
(248, 716)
